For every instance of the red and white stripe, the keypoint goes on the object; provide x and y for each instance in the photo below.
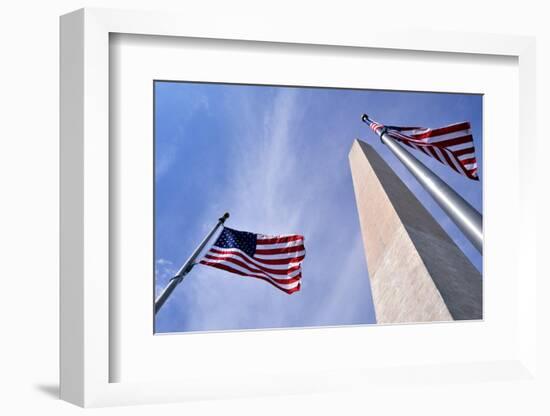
(277, 260)
(451, 145)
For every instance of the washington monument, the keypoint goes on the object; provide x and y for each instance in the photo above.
(417, 273)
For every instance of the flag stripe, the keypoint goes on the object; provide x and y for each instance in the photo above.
(450, 161)
(452, 142)
(277, 240)
(434, 153)
(469, 161)
(246, 268)
(464, 151)
(289, 290)
(261, 257)
(281, 250)
(461, 146)
(443, 130)
(281, 245)
(447, 136)
(273, 263)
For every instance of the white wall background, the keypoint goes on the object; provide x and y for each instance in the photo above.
(29, 208)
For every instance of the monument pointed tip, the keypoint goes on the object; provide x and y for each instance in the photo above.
(356, 145)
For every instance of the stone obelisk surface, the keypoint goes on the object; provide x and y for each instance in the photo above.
(417, 273)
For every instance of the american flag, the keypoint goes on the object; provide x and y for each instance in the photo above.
(275, 259)
(451, 145)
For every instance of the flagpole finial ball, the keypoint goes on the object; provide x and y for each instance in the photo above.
(224, 217)
(364, 117)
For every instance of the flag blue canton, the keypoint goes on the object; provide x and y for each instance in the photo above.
(241, 240)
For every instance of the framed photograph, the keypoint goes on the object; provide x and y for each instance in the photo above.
(321, 199)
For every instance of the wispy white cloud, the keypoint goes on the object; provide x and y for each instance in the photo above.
(164, 270)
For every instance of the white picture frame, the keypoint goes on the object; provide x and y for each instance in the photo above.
(86, 355)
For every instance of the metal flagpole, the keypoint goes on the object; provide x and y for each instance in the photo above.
(466, 217)
(187, 266)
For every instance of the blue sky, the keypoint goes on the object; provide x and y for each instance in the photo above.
(276, 158)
